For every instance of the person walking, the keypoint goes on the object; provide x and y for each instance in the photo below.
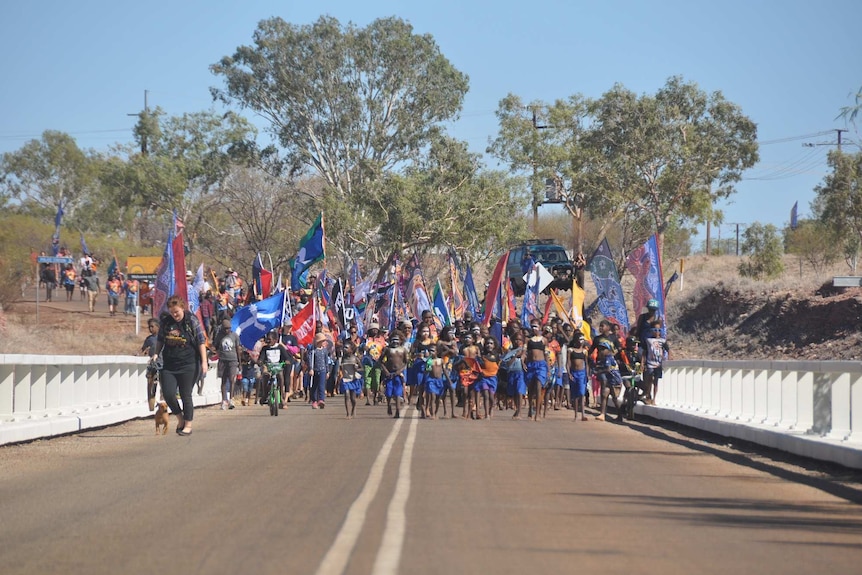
(227, 346)
(93, 288)
(182, 347)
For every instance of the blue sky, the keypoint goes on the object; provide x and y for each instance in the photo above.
(81, 67)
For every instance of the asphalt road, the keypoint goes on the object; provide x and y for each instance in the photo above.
(311, 492)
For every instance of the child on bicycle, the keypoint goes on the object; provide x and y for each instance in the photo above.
(272, 352)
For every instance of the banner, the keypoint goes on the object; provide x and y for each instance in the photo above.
(441, 312)
(611, 299)
(492, 296)
(530, 310)
(311, 250)
(261, 278)
(303, 324)
(456, 297)
(794, 216)
(253, 321)
(58, 218)
(644, 264)
(470, 296)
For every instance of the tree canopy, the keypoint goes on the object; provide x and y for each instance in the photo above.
(647, 162)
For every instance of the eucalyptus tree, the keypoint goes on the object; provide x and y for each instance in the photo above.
(678, 152)
(350, 105)
(625, 159)
(45, 172)
(838, 200)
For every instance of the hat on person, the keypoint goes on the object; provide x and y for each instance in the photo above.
(229, 271)
(189, 273)
(319, 338)
(374, 325)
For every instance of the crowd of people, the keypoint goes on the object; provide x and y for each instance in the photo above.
(453, 371)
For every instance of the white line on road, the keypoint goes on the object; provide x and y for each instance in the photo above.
(336, 558)
(389, 553)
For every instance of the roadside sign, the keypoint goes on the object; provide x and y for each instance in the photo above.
(54, 260)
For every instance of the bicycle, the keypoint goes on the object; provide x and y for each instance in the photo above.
(273, 395)
(634, 391)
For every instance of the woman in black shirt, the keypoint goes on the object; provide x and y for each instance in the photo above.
(182, 347)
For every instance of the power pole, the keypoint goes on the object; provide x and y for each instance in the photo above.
(536, 197)
(839, 130)
(737, 224)
(142, 115)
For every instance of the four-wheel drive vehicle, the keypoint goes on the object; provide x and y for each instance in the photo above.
(549, 254)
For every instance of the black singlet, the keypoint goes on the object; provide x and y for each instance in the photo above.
(533, 344)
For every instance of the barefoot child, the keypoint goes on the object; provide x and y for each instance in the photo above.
(351, 380)
(579, 372)
(393, 364)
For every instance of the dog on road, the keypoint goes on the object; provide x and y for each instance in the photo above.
(162, 418)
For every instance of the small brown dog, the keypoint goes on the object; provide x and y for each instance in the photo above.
(162, 418)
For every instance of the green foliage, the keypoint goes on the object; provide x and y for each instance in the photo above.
(816, 243)
(838, 201)
(643, 163)
(362, 108)
(44, 172)
(763, 246)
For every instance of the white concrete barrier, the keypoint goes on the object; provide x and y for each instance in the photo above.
(810, 408)
(46, 395)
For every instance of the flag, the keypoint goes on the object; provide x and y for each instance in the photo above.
(58, 218)
(470, 295)
(164, 286)
(510, 299)
(304, 323)
(611, 299)
(456, 296)
(531, 298)
(441, 312)
(261, 278)
(492, 295)
(794, 216)
(279, 285)
(644, 264)
(417, 293)
(669, 282)
(342, 313)
(198, 285)
(578, 296)
(84, 247)
(253, 321)
(311, 250)
(114, 266)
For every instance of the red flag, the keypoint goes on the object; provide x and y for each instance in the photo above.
(510, 297)
(303, 324)
(548, 305)
(493, 293)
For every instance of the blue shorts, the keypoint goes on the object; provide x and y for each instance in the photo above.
(579, 383)
(537, 370)
(434, 385)
(558, 377)
(354, 385)
(516, 385)
(487, 383)
(394, 386)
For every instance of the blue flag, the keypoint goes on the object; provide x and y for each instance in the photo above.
(531, 298)
(794, 216)
(253, 321)
(611, 299)
(311, 251)
(441, 311)
(470, 294)
(55, 239)
(84, 247)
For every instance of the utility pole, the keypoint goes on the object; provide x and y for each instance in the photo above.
(737, 224)
(142, 115)
(839, 130)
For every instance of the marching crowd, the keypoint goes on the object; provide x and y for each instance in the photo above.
(461, 368)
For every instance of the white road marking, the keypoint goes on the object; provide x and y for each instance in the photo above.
(335, 560)
(392, 544)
